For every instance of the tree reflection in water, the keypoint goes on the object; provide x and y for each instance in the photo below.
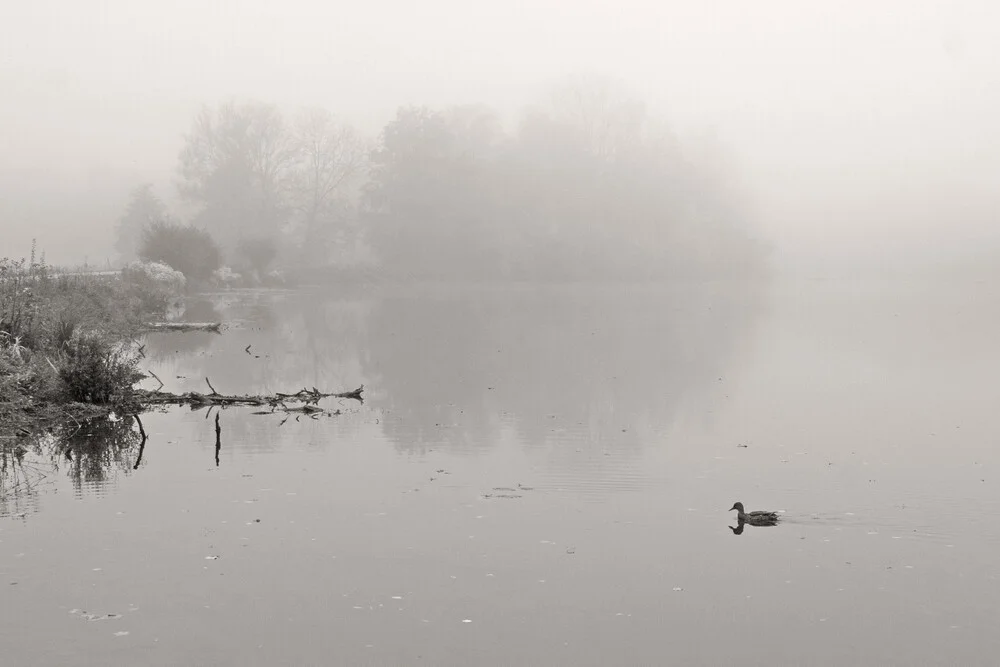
(91, 453)
(612, 367)
(605, 368)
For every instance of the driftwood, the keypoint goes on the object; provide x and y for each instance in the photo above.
(183, 326)
(307, 398)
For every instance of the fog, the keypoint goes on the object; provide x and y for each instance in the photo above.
(856, 136)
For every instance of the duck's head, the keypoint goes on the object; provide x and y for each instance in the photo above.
(738, 507)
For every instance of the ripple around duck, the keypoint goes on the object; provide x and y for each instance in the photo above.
(916, 529)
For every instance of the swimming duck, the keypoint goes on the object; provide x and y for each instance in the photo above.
(758, 518)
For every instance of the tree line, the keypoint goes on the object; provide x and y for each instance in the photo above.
(587, 184)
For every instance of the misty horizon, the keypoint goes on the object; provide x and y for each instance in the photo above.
(862, 136)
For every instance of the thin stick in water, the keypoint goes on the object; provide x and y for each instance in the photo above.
(218, 439)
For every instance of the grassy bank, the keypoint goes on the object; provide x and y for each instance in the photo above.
(67, 343)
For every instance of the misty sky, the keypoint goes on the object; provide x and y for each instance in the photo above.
(860, 129)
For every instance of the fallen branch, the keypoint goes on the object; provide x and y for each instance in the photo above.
(277, 401)
(183, 326)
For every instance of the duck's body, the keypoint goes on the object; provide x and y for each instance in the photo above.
(758, 518)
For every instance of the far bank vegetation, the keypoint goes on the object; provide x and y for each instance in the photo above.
(585, 184)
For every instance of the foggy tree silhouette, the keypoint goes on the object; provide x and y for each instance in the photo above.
(235, 165)
(331, 160)
(588, 187)
(143, 209)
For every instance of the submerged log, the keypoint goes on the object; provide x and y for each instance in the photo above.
(277, 401)
(183, 326)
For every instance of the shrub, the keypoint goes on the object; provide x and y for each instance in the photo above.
(154, 285)
(189, 250)
(96, 370)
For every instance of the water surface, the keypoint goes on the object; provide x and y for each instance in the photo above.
(538, 477)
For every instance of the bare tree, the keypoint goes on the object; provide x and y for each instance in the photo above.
(331, 159)
(236, 164)
(607, 118)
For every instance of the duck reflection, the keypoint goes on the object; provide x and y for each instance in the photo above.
(738, 530)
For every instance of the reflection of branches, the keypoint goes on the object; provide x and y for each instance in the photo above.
(100, 449)
(91, 451)
(19, 479)
(142, 443)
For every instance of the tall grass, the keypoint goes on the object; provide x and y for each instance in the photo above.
(66, 338)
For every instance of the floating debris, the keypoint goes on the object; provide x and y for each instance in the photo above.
(94, 617)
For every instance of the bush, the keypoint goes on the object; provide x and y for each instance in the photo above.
(189, 250)
(96, 370)
(154, 285)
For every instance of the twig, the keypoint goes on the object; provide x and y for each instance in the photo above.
(214, 393)
(142, 431)
(218, 439)
(158, 380)
(78, 424)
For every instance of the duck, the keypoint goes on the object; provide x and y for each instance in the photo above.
(758, 518)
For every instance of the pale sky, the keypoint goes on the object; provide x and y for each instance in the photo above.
(861, 129)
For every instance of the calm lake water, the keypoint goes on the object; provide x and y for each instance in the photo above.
(535, 477)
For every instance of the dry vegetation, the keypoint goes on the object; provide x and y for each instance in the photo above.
(66, 343)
